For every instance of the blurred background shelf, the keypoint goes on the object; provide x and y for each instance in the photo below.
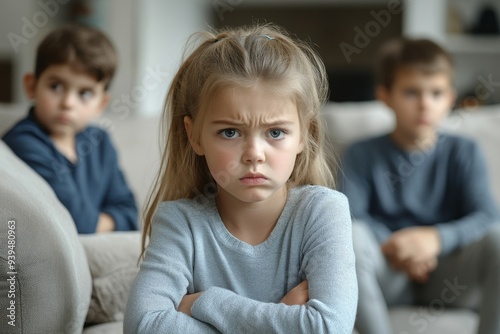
(473, 44)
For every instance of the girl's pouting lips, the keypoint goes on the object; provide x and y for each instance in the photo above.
(253, 179)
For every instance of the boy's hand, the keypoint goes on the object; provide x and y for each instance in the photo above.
(187, 302)
(419, 271)
(105, 223)
(412, 245)
(298, 295)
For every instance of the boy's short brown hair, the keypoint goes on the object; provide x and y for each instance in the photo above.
(82, 47)
(418, 54)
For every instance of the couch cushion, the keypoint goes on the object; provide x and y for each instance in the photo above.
(351, 121)
(52, 284)
(420, 320)
(113, 263)
(107, 328)
(482, 124)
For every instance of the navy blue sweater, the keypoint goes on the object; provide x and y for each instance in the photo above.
(446, 186)
(92, 185)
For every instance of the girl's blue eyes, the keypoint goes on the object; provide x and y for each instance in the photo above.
(233, 133)
(229, 133)
(276, 134)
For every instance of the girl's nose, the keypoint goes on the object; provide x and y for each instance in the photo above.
(253, 152)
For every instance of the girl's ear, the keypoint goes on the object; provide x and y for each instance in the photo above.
(195, 144)
(29, 83)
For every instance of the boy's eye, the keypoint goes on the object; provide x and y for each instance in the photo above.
(411, 92)
(86, 94)
(437, 93)
(276, 133)
(57, 86)
(229, 133)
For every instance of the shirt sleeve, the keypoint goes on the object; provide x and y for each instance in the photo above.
(328, 264)
(355, 184)
(35, 152)
(163, 280)
(479, 209)
(119, 202)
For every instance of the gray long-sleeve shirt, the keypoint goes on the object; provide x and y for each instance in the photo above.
(191, 250)
(445, 186)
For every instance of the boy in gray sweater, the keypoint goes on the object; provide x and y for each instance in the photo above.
(425, 231)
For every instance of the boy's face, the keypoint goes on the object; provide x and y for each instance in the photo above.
(65, 100)
(420, 101)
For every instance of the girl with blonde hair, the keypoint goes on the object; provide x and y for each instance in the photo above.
(245, 233)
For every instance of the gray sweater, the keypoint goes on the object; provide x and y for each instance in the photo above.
(191, 250)
(446, 186)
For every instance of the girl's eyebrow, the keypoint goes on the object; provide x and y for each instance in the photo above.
(236, 123)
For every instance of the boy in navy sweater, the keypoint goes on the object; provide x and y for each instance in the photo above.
(425, 231)
(74, 67)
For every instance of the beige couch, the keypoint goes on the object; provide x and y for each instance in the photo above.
(56, 281)
(63, 280)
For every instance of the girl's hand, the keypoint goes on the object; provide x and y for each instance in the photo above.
(187, 302)
(298, 295)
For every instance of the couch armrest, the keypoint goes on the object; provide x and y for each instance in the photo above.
(51, 286)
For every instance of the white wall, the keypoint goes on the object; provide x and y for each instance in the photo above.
(425, 18)
(121, 26)
(23, 24)
(476, 57)
(162, 34)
